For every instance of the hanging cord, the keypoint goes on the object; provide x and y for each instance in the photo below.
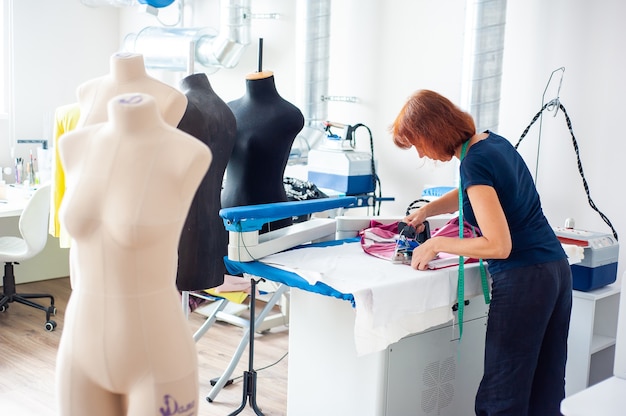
(579, 163)
(377, 190)
(418, 203)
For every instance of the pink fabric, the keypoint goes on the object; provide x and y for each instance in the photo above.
(451, 229)
(379, 240)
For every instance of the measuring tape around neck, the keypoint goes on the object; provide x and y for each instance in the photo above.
(461, 275)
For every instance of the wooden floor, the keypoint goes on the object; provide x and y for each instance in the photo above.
(28, 355)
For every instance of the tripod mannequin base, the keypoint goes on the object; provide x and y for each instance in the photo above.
(249, 393)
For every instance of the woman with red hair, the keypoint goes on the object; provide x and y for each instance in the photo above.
(528, 322)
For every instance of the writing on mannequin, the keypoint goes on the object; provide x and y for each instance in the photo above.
(267, 125)
(126, 347)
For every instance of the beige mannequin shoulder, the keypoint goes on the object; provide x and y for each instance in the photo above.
(134, 120)
(128, 75)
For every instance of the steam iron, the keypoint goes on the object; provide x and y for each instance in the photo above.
(408, 239)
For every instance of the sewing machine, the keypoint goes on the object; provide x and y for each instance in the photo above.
(366, 336)
(598, 266)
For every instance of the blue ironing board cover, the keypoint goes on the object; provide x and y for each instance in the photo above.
(291, 279)
(252, 217)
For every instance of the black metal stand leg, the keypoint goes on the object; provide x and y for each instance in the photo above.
(249, 377)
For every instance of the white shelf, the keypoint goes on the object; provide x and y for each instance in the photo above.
(593, 329)
(598, 294)
(601, 342)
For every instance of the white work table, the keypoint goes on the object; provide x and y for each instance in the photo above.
(395, 353)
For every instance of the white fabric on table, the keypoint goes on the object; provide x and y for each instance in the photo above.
(391, 300)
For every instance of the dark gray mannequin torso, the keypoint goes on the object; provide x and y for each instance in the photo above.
(267, 125)
(204, 241)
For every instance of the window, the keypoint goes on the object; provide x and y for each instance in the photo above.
(5, 36)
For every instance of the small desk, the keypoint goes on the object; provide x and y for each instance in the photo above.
(12, 207)
(16, 198)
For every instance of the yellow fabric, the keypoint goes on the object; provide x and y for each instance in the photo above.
(65, 119)
(236, 297)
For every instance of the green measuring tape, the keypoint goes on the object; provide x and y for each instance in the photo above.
(461, 279)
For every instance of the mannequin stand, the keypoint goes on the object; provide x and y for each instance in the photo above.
(249, 377)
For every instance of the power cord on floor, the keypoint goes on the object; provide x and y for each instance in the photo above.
(214, 381)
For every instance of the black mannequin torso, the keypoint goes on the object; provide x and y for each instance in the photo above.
(267, 125)
(204, 241)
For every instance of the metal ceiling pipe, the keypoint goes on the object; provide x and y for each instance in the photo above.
(483, 61)
(226, 49)
(313, 66)
(169, 48)
(313, 57)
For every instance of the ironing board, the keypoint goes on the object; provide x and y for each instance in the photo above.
(336, 338)
(246, 243)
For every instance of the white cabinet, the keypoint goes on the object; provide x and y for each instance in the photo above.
(429, 373)
(591, 342)
(432, 373)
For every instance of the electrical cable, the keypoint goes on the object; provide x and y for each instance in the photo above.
(418, 203)
(376, 185)
(577, 152)
(232, 380)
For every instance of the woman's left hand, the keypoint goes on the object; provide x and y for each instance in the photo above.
(423, 254)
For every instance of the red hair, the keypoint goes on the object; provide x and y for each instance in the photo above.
(433, 124)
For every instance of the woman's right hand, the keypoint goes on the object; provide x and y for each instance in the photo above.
(416, 219)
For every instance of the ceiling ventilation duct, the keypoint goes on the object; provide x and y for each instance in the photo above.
(177, 48)
(313, 60)
(483, 61)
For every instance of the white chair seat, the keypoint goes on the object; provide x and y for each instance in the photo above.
(13, 249)
(33, 227)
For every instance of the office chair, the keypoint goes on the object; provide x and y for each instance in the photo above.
(33, 227)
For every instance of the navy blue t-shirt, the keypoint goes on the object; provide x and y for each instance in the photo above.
(496, 163)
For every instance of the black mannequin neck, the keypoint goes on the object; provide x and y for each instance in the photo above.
(261, 88)
(197, 81)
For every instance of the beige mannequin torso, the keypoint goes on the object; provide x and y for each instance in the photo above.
(127, 75)
(126, 348)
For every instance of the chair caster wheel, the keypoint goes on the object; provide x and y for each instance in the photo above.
(3, 308)
(50, 325)
(52, 310)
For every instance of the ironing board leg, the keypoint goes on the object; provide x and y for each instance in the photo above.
(221, 305)
(184, 297)
(221, 382)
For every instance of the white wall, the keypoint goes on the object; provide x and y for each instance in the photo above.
(57, 45)
(585, 38)
(383, 50)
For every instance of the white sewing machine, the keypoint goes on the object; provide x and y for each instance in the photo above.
(598, 266)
